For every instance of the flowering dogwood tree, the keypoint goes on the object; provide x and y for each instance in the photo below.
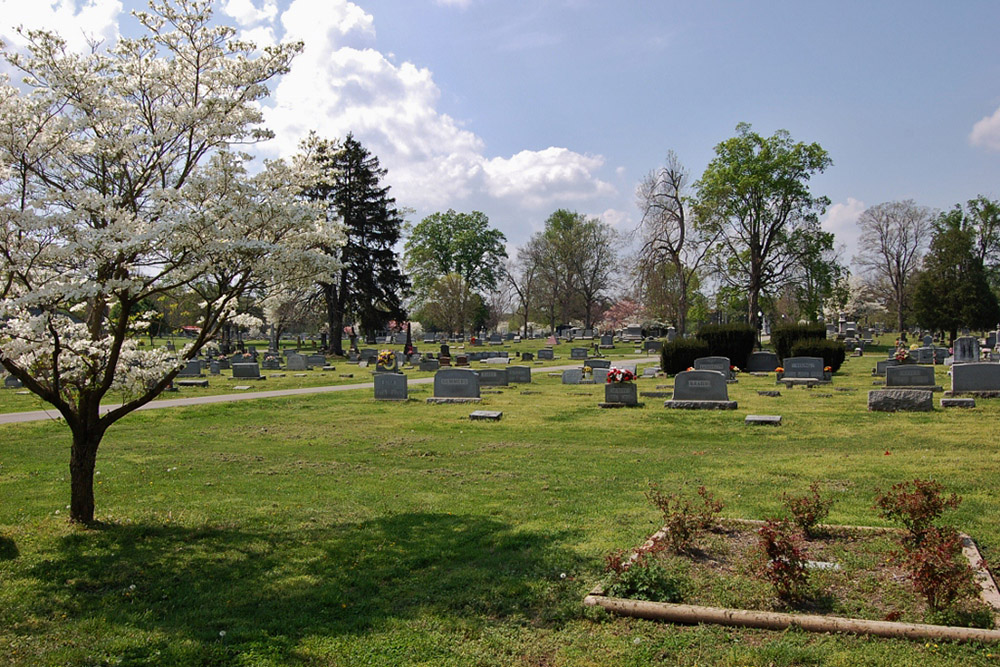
(118, 184)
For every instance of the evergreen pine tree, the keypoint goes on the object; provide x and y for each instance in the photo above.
(370, 286)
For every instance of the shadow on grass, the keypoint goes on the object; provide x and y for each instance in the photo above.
(274, 588)
(8, 549)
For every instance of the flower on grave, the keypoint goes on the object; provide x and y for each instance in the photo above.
(587, 369)
(828, 369)
(620, 375)
(901, 354)
(734, 369)
(690, 368)
(386, 358)
(779, 369)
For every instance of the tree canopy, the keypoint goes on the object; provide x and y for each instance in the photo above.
(755, 195)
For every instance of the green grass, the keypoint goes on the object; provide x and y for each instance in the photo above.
(335, 530)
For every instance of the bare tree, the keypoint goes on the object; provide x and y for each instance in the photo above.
(893, 238)
(523, 277)
(668, 234)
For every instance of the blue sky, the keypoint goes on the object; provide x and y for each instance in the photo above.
(518, 107)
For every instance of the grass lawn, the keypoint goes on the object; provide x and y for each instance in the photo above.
(331, 529)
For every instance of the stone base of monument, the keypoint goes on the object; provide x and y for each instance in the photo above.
(763, 420)
(977, 394)
(935, 388)
(259, 377)
(436, 399)
(700, 405)
(900, 400)
(801, 382)
(958, 402)
(771, 394)
(486, 415)
(621, 405)
(192, 383)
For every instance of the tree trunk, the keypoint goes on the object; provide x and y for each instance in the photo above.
(334, 319)
(83, 458)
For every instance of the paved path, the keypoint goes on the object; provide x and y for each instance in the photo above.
(40, 415)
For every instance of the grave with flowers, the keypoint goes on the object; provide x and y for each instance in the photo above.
(620, 389)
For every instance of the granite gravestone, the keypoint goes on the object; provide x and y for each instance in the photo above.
(546, 354)
(720, 364)
(598, 363)
(11, 382)
(456, 383)
(973, 377)
(390, 387)
(624, 393)
(192, 369)
(572, 376)
(607, 341)
(909, 375)
(249, 371)
(429, 365)
(493, 377)
(966, 350)
(653, 345)
(880, 366)
(296, 362)
(804, 367)
(519, 375)
(762, 362)
(578, 353)
(700, 385)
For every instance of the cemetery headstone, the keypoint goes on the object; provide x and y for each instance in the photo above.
(315, 360)
(572, 376)
(191, 370)
(546, 354)
(653, 345)
(720, 364)
(578, 353)
(213, 367)
(981, 376)
(909, 375)
(428, 365)
(607, 341)
(966, 350)
(701, 389)
(621, 393)
(928, 340)
(249, 371)
(11, 382)
(390, 387)
(493, 377)
(296, 362)
(883, 364)
(459, 383)
(527, 356)
(598, 363)
(762, 362)
(518, 374)
(804, 367)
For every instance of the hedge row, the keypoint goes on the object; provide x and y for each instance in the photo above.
(679, 355)
(833, 352)
(783, 338)
(735, 341)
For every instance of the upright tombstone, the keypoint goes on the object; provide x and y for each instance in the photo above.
(928, 340)
(455, 385)
(701, 390)
(368, 354)
(247, 371)
(429, 365)
(316, 360)
(495, 339)
(804, 368)
(296, 362)
(598, 363)
(527, 356)
(620, 393)
(720, 364)
(632, 334)
(270, 364)
(909, 375)
(191, 370)
(976, 378)
(493, 377)
(652, 345)
(572, 376)
(607, 341)
(547, 354)
(578, 353)
(519, 375)
(390, 387)
(764, 361)
(213, 367)
(923, 355)
(11, 382)
(966, 350)
(882, 365)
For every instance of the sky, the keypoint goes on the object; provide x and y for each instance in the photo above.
(519, 107)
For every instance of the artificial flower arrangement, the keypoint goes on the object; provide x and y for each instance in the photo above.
(386, 358)
(779, 369)
(620, 375)
(901, 354)
(828, 369)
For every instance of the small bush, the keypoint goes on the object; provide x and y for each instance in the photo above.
(645, 578)
(833, 352)
(783, 338)
(682, 518)
(936, 570)
(679, 355)
(783, 559)
(916, 505)
(735, 341)
(809, 510)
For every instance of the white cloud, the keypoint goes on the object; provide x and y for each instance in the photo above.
(247, 14)
(842, 220)
(461, 4)
(341, 84)
(986, 132)
(76, 21)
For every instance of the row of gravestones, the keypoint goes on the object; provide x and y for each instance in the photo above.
(453, 382)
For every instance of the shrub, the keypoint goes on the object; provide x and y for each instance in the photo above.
(783, 559)
(735, 341)
(809, 510)
(644, 578)
(679, 355)
(936, 572)
(916, 505)
(783, 338)
(682, 518)
(833, 352)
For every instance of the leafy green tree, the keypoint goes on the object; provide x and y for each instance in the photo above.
(952, 290)
(755, 195)
(370, 285)
(452, 242)
(982, 218)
